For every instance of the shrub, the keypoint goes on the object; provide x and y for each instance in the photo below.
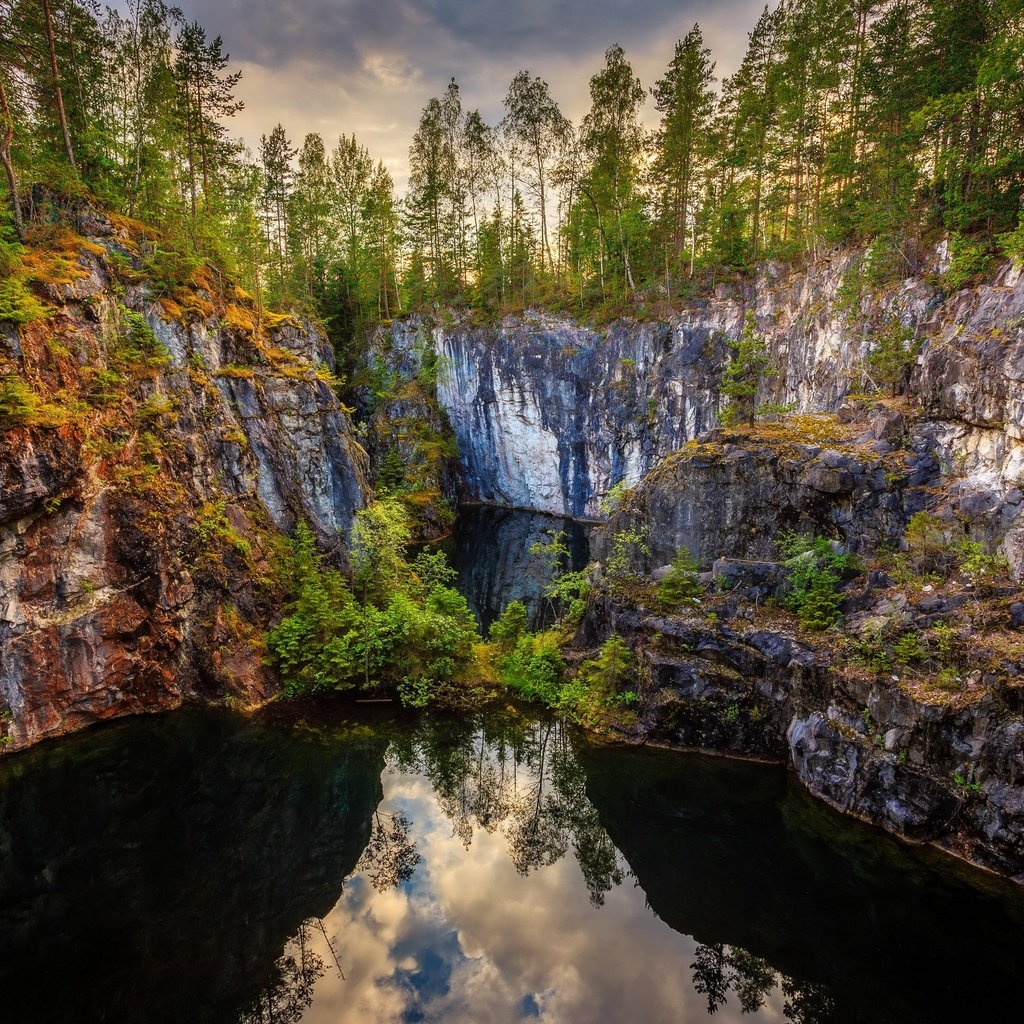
(931, 553)
(748, 368)
(893, 355)
(407, 630)
(534, 668)
(17, 303)
(18, 402)
(968, 263)
(680, 586)
(508, 629)
(628, 546)
(815, 571)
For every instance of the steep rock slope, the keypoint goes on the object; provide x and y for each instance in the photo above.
(549, 415)
(152, 449)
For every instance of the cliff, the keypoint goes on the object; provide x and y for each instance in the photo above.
(907, 712)
(158, 432)
(550, 415)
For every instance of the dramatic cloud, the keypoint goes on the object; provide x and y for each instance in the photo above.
(368, 66)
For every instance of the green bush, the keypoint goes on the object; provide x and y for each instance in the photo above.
(969, 262)
(932, 554)
(17, 303)
(534, 668)
(507, 630)
(407, 630)
(18, 402)
(629, 545)
(169, 271)
(893, 355)
(681, 586)
(814, 569)
(748, 369)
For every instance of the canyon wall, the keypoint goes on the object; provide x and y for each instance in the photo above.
(157, 456)
(549, 415)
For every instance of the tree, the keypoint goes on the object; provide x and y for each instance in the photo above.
(58, 92)
(205, 97)
(747, 371)
(380, 218)
(616, 144)
(6, 140)
(310, 211)
(276, 155)
(749, 101)
(681, 585)
(686, 102)
(533, 120)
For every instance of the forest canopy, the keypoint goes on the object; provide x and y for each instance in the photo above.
(888, 125)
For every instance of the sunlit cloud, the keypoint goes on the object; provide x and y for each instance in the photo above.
(368, 66)
(470, 939)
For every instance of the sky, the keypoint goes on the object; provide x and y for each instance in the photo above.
(369, 66)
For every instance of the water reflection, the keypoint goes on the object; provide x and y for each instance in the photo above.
(492, 557)
(154, 870)
(205, 868)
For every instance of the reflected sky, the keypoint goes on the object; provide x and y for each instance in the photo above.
(470, 938)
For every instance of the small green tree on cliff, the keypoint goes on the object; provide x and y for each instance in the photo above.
(748, 368)
(893, 356)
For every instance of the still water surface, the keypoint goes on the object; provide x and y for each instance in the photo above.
(356, 867)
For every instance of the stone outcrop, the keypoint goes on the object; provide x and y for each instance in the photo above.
(929, 767)
(142, 496)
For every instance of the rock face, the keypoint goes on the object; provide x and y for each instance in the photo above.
(946, 772)
(549, 415)
(141, 501)
(221, 839)
(735, 498)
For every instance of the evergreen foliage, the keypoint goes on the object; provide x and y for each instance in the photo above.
(747, 371)
(885, 124)
(681, 587)
(815, 570)
(396, 626)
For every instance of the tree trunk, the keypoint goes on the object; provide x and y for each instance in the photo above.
(56, 87)
(5, 156)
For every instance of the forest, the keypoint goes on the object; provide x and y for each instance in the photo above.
(885, 125)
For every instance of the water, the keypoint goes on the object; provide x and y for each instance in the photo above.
(490, 549)
(337, 866)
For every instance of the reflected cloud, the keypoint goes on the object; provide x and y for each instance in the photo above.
(502, 918)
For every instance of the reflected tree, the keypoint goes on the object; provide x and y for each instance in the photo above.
(522, 777)
(807, 1003)
(390, 857)
(712, 975)
(719, 970)
(289, 993)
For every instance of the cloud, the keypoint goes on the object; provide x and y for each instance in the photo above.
(369, 66)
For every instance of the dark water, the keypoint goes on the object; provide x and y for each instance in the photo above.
(490, 549)
(353, 868)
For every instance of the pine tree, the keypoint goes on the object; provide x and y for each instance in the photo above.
(686, 101)
(276, 155)
(748, 369)
(616, 145)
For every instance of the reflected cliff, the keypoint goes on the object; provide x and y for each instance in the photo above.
(774, 888)
(490, 550)
(154, 870)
